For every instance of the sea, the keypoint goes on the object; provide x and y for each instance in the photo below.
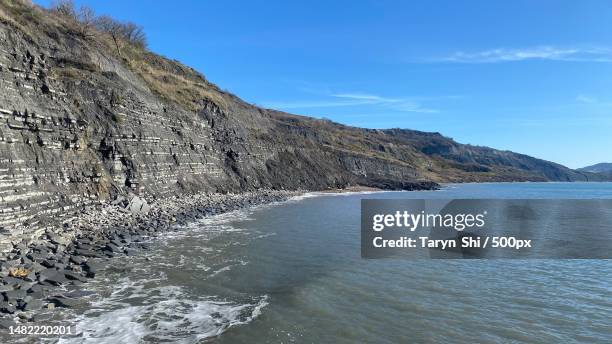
(291, 272)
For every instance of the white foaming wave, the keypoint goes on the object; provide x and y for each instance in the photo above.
(262, 236)
(133, 311)
(223, 269)
(205, 226)
(117, 326)
(222, 228)
(216, 223)
(239, 262)
(304, 196)
(202, 267)
(349, 193)
(332, 193)
(236, 215)
(167, 314)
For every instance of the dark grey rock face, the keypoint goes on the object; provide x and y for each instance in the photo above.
(78, 128)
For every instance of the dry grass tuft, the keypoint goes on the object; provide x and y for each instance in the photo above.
(171, 80)
(19, 272)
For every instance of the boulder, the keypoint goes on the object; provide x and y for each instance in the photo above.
(52, 276)
(6, 307)
(6, 323)
(33, 305)
(75, 276)
(14, 295)
(78, 260)
(138, 206)
(94, 267)
(59, 240)
(88, 253)
(63, 301)
(113, 248)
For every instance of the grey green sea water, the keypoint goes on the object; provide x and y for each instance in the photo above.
(292, 273)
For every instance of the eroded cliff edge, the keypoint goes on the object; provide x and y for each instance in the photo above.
(82, 122)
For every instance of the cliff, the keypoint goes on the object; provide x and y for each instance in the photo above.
(82, 121)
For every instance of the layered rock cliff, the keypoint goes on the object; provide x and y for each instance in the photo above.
(82, 122)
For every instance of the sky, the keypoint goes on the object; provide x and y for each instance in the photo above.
(533, 77)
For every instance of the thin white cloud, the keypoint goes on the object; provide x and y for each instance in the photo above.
(355, 99)
(581, 98)
(287, 105)
(535, 53)
(407, 106)
(363, 96)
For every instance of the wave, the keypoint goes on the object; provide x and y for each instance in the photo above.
(160, 314)
(142, 307)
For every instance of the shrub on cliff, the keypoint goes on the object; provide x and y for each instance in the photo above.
(86, 24)
(119, 31)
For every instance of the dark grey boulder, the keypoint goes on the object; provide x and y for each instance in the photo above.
(12, 295)
(41, 317)
(113, 248)
(143, 245)
(33, 305)
(94, 267)
(76, 294)
(6, 307)
(83, 241)
(23, 284)
(85, 247)
(88, 253)
(63, 301)
(36, 295)
(37, 257)
(6, 323)
(11, 281)
(59, 240)
(36, 267)
(78, 260)
(31, 277)
(75, 276)
(37, 288)
(48, 263)
(52, 276)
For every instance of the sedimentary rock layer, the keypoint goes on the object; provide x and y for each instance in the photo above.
(83, 121)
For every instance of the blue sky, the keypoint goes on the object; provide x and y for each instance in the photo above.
(529, 76)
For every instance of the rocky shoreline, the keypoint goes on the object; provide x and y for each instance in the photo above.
(34, 276)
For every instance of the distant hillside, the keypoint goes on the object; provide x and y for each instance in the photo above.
(598, 168)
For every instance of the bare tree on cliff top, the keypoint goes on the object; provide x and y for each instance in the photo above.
(119, 31)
